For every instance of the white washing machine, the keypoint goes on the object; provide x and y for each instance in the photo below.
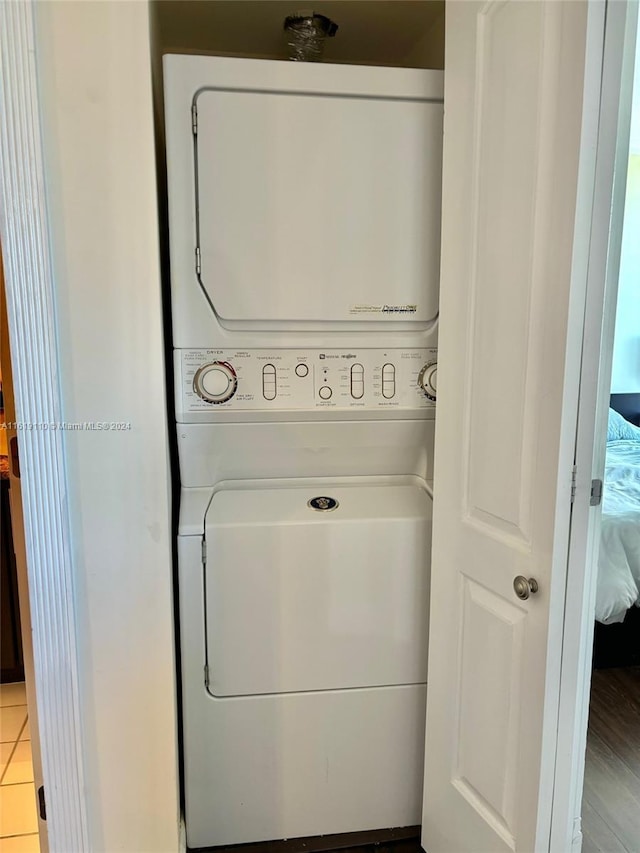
(304, 205)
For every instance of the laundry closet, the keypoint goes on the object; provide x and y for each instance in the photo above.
(304, 230)
(303, 259)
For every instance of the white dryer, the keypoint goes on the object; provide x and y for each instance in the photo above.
(304, 204)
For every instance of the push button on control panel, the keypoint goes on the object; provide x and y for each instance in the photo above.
(302, 370)
(388, 381)
(269, 387)
(325, 392)
(357, 381)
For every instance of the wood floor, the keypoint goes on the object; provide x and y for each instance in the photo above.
(611, 801)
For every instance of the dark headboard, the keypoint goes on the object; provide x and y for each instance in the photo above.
(627, 405)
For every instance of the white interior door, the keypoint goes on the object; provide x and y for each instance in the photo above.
(518, 164)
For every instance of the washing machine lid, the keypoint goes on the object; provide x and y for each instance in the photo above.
(318, 208)
(300, 599)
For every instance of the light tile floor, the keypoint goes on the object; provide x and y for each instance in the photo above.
(18, 817)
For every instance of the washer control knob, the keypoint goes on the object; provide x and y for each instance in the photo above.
(215, 382)
(428, 380)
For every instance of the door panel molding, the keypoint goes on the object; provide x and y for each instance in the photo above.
(501, 287)
(489, 788)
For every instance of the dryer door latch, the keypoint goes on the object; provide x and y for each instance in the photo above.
(204, 551)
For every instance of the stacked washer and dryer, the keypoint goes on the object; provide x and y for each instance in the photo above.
(304, 204)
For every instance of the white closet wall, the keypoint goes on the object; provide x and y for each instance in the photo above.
(95, 84)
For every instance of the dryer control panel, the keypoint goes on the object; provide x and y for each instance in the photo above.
(311, 380)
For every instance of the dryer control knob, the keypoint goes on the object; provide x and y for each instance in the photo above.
(215, 382)
(427, 380)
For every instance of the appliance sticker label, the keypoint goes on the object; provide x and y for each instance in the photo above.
(383, 309)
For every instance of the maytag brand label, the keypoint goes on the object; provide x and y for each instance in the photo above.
(383, 309)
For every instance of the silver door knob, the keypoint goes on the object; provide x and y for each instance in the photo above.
(524, 586)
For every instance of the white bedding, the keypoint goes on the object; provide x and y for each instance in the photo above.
(619, 558)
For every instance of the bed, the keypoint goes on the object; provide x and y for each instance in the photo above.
(617, 641)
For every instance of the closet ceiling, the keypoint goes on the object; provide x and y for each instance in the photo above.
(382, 32)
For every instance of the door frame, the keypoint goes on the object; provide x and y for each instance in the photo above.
(17, 530)
(30, 291)
(607, 215)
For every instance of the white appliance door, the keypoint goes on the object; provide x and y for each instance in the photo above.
(510, 337)
(318, 208)
(301, 599)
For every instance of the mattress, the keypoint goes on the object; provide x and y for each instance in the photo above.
(618, 586)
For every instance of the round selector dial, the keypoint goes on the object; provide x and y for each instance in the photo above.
(215, 382)
(428, 380)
